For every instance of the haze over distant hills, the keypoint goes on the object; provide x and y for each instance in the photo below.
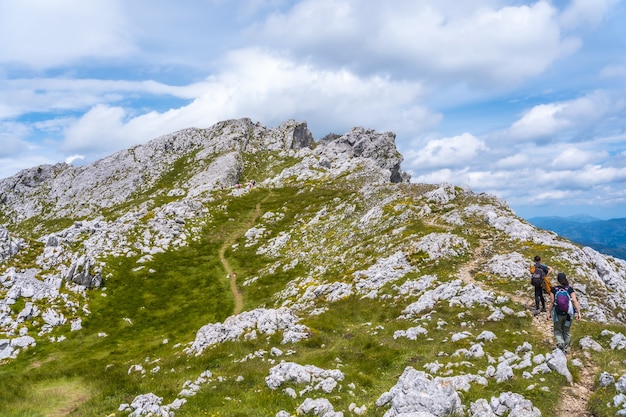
(606, 236)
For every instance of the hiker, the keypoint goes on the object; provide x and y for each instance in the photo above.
(540, 281)
(563, 309)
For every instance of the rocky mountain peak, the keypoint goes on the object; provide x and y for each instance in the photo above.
(67, 191)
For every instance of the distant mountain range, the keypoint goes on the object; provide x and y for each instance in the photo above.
(605, 236)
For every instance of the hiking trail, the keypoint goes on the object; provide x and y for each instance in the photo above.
(232, 277)
(574, 398)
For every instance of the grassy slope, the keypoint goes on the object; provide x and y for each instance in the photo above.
(89, 374)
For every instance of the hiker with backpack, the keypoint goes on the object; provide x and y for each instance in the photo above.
(563, 309)
(540, 281)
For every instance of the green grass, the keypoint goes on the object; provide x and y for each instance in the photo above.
(611, 361)
(137, 312)
(265, 164)
(186, 291)
(42, 224)
(57, 397)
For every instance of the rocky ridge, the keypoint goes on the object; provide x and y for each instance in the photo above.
(362, 244)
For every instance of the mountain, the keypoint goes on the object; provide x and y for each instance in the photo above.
(605, 236)
(241, 270)
(582, 218)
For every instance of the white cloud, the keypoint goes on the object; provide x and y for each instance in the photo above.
(458, 177)
(518, 160)
(610, 71)
(581, 13)
(578, 178)
(98, 130)
(446, 152)
(73, 158)
(248, 8)
(600, 175)
(20, 96)
(42, 34)
(545, 120)
(476, 42)
(573, 158)
(542, 120)
(12, 137)
(268, 88)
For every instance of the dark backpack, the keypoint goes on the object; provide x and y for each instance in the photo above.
(537, 276)
(562, 300)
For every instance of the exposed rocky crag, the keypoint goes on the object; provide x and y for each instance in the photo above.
(380, 239)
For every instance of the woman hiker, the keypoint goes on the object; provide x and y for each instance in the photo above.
(563, 316)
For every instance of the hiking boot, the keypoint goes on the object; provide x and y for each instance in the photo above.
(543, 309)
(535, 312)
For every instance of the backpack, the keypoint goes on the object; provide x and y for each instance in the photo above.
(537, 276)
(562, 300)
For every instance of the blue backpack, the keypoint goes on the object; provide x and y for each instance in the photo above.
(562, 300)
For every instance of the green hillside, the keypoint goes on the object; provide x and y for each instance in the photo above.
(377, 277)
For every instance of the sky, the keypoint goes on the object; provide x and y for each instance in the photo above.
(524, 100)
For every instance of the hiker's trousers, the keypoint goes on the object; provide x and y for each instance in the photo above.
(539, 298)
(562, 324)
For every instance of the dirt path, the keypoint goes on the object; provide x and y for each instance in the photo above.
(575, 397)
(232, 277)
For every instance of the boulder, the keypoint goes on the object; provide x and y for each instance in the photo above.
(9, 246)
(417, 392)
(82, 272)
(318, 378)
(558, 362)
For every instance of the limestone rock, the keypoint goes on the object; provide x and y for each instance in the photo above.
(366, 143)
(318, 407)
(508, 402)
(317, 378)
(417, 392)
(558, 362)
(9, 245)
(265, 321)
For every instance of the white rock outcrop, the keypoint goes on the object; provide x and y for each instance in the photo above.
(417, 392)
(263, 321)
